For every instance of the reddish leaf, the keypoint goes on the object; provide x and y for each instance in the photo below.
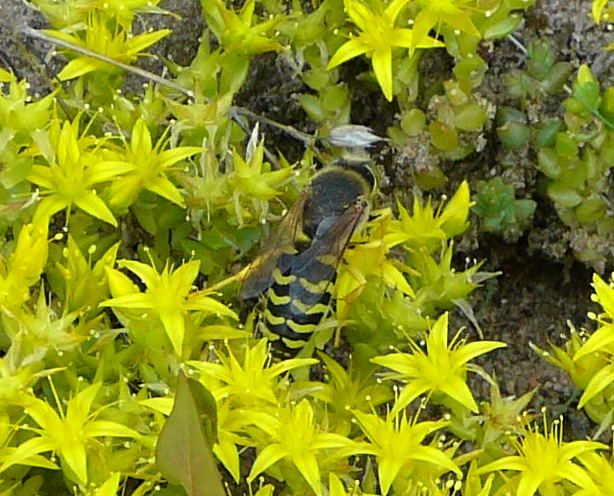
(183, 452)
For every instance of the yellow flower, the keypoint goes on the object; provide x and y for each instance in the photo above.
(146, 166)
(396, 442)
(294, 435)
(369, 257)
(434, 13)
(598, 8)
(67, 434)
(429, 227)
(235, 31)
(598, 348)
(601, 470)
(25, 265)
(248, 383)
(72, 174)
(168, 295)
(544, 461)
(120, 46)
(377, 38)
(441, 369)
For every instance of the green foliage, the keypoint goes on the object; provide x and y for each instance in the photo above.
(239, 38)
(578, 161)
(329, 101)
(498, 208)
(153, 197)
(456, 111)
(543, 75)
(512, 129)
(452, 122)
(574, 152)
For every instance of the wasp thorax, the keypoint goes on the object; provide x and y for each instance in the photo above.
(333, 191)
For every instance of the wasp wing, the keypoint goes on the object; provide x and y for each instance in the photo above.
(277, 252)
(315, 268)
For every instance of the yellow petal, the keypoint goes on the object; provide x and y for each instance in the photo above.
(382, 67)
(42, 176)
(146, 273)
(137, 301)
(410, 392)
(110, 486)
(360, 14)
(107, 170)
(48, 207)
(598, 6)
(393, 9)
(227, 453)
(347, 51)
(403, 37)
(604, 295)
(163, 187)
(267, 457)
(424, 22)
(174, 325)
(469, 351)
(453, 219)
(77, 67)
(308, 467)
(463, 22)
(598, 383)
(138, 43)
(140, 143)
(395, 278)
(119, 283)
(169, 157)
(26, 450)
(388, 469)
(73, 453)
(457, 389)
(6, 76)
(93, 205)
(108, 428)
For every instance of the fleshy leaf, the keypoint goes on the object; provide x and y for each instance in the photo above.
(183, 453)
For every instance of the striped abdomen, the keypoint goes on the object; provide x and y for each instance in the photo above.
(298, 300)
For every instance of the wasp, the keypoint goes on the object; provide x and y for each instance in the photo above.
(291, 279)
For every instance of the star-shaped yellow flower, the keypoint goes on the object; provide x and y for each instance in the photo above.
(442, 369)
(544, 462)
(377, 38)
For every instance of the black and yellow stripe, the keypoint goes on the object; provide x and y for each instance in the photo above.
(294, 275)
(295, 305)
